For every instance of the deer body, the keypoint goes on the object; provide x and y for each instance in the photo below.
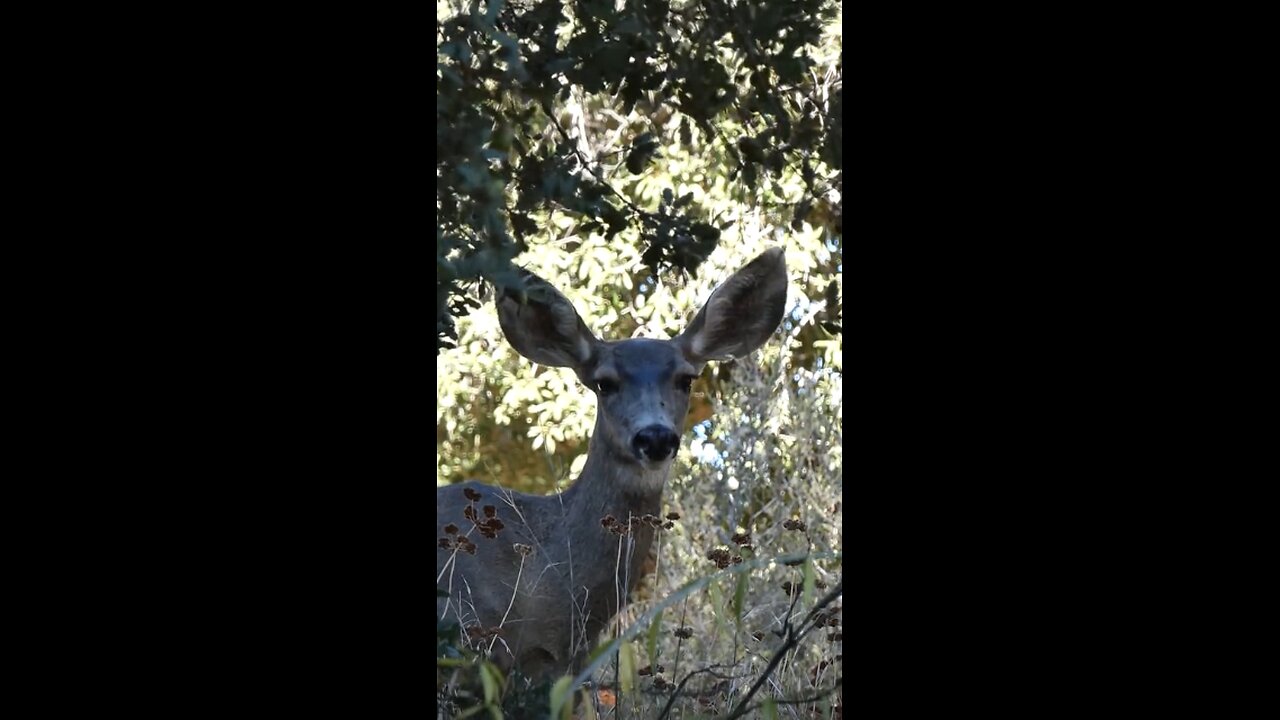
(548, 572)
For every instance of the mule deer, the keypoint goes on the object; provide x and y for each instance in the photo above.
(544, 568)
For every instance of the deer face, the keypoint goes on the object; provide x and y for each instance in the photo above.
(642, 394)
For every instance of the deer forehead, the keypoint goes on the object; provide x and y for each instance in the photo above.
(642, 360)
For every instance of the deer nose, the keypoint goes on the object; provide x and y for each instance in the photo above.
(655, 443)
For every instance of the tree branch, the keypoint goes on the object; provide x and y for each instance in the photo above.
(793, 639)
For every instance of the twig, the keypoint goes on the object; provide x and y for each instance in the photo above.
(793, 639)
(546, 109)
(710, 670)
(800, 701)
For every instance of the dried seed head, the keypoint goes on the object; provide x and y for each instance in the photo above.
(479, 631)
(673, 515)
(742, 539)
(446, 543)
(683, 633)
(737, 559)
(451, 529)
(608, 520)
(469, 512)
(490, 511)
(471, 494)
(525, 550)
(795, 525)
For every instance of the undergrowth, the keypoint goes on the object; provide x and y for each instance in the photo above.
(742, 615)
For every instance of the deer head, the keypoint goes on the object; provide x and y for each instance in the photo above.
(642, 385)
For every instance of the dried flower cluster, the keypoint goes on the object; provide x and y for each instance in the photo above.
(723, 558)
(454, 541)
(490, 525)
(613, 525)
(477, 632)
(486, 521)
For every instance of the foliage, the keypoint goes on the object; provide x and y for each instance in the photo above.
(635, 154)
(552, 107)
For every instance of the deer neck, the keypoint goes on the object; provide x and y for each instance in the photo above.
(612, 485)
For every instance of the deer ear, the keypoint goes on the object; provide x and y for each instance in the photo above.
(742, 313)
(542, 325)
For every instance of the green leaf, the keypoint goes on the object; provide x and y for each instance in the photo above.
(808, 580)
(739, 597)
(627, 667)
(561, 693)
(655, 627)
(490, 682)
(769, 709)
(716, 598)
(599, 650)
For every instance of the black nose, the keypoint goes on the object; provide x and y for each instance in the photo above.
(655, 443)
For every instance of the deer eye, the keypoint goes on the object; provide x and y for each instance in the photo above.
(606, 387)
(684, 383)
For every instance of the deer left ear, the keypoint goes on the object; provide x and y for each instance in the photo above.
(742, 313)
(543, 326)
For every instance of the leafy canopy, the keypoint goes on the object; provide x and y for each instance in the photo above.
(548, 107)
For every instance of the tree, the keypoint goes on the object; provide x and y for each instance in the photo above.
(547, 106)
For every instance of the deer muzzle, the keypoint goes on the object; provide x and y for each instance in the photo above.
(656, 443)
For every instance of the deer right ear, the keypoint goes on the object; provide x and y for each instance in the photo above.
(542, 325)
(742, 313)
